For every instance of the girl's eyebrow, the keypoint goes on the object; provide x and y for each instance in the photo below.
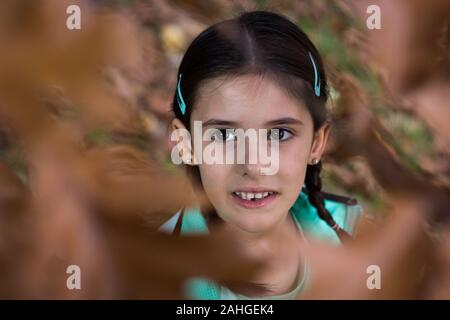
(285, 120)
(280, 121)
(219, 122)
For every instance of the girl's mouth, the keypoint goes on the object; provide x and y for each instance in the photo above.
(253, 200)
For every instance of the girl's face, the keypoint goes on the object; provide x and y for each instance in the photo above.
(258, 103)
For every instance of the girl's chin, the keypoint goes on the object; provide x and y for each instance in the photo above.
(254, 226)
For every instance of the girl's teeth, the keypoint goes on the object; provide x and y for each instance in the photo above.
(251, 196)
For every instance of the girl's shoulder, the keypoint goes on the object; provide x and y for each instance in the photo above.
(346, 211)
(186, 221)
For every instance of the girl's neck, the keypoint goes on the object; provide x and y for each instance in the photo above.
(280, 272)
(272, 242)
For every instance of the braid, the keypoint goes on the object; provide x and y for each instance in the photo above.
(314, 186)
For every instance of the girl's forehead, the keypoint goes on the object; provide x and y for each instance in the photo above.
(246, 98)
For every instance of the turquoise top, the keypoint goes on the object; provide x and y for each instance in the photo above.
(308, 222)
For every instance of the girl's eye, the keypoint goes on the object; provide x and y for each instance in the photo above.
(279, 134)
(223, 135)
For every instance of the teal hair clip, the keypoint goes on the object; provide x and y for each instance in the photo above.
(316, 76)
(180, 99)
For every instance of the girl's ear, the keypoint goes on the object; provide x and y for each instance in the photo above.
(319, 142)
(183, 148)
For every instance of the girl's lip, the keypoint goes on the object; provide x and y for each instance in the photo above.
(252, 204)
(255, 190)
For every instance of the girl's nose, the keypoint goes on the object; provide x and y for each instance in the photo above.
(250, 170)
(252, 166)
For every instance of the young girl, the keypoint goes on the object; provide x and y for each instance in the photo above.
(260, 71)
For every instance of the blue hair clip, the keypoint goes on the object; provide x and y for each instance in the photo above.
(316, 76)
(180, 97)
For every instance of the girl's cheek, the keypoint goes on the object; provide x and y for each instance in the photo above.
(292, 158)
(293, 164)
(213, 178)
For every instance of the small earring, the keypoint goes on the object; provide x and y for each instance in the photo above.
(315, 161)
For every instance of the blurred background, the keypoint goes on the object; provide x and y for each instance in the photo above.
(85, 170)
